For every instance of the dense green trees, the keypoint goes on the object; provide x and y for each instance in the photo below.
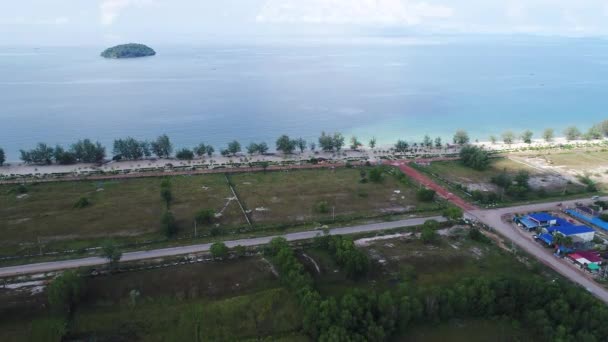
(65, 292)
(553, 310)
(301, 144)
(184, 154)
(355, 262)
(202, 149)
(330, 143)
(2, 157)
(234, 147)
(376, 174)
(548, 134)
(461, 137)
(131, 149)
(453, 213)
(205, 216)
(162, 147)
(401, 146)
(355, 144)
(285, 144)
(87, 151)
(428, 235)
(515, 186)
(372, 143)
(42, 154)
(526, 136)
(475, 157)
(572, 133)
(508, 137)
(83, 151)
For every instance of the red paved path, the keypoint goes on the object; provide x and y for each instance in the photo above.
(426, 181)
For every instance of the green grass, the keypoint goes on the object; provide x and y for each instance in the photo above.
(292, 196)
(123, 208)
(267, 313)
(466, 331)
(446, 262)
(129, 210)
(456, 172)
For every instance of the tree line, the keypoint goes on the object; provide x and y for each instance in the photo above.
(133, 149)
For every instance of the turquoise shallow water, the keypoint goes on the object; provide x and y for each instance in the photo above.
(255, 93)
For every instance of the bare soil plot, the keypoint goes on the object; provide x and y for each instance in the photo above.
(573, 163)
(456, 172)
(292, 196)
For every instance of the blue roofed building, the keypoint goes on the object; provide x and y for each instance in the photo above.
(580, 233)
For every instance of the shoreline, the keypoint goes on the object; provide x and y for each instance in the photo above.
(21, 170)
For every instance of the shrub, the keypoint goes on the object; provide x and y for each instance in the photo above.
(322, 207)
(168, 225)
(219, 250)
(65, 291)
(426, 195)
(604, 217)
(475, 157)
(428, 235)
(376, 174)
(184, 154)
(82, 202)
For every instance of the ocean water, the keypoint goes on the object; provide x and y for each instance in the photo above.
(216, 93)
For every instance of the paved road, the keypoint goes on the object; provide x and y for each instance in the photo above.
(493, 218)
(159, 253)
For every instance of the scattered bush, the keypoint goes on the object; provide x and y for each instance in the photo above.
(426, 195)
(219, 250)
(475, 157)
(82, 202)
(322, 207)
(376, 174)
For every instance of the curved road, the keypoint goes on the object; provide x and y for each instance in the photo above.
(165, 252)
(493, 218)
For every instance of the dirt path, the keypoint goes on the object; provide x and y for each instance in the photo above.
(427, 182)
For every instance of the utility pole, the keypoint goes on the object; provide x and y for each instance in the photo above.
(39, 245)
(195, 234)
(333, 213)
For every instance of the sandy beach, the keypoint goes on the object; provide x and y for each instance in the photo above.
(20, 169)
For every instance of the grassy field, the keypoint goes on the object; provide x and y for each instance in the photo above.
(408, 259)
(292, 196)
(467, 331)
(577, 159)
(129, 210)
(236, 299)
(126, 208)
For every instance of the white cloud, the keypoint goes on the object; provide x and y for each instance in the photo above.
(111, 9)
(400, 12)
(20, 20)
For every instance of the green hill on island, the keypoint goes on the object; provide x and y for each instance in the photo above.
(128, 51)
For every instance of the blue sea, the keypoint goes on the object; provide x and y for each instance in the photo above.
(388, 88)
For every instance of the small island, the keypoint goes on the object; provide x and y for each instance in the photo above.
(128, 51)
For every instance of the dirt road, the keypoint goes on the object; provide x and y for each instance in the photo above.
(429, 183)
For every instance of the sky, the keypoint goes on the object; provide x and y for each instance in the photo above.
(97, 22)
